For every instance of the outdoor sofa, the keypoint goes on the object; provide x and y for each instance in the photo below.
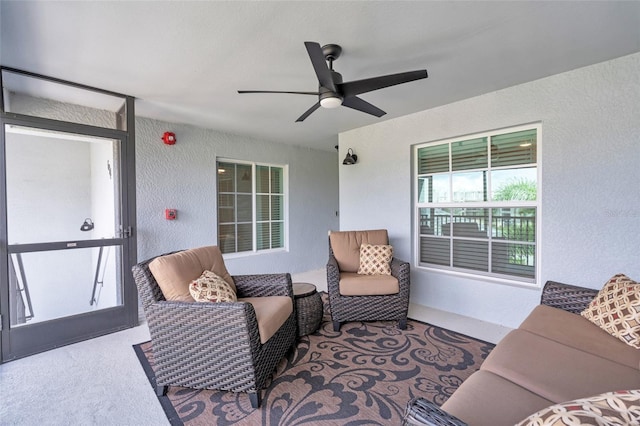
(555, 356)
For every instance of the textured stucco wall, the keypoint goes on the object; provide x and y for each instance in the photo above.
(590, 182)
(183, 176)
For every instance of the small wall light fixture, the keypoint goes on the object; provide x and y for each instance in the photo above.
(351, 158)
(87, 225)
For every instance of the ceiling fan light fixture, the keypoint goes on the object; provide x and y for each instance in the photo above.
(331, 102)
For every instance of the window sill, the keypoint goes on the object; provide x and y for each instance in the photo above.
(253, 253)
(478, 277)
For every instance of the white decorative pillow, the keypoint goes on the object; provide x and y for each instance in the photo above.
(375, 259)
(211, 288)
(616, 309)
(611, 408)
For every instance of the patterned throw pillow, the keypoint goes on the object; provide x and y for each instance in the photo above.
(616, 309)
(607, 409)
(211, 288)
(375, 259)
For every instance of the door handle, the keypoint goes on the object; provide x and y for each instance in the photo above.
(126, 232)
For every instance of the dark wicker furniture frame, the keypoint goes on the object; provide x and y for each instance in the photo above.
(214, 345)
(391, 307)
(557, 295)
(309, 310)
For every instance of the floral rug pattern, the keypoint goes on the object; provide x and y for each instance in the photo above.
(362, 375)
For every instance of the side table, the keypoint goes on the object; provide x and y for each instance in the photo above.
(308, 307)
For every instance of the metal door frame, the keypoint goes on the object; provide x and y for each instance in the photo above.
(33, 338)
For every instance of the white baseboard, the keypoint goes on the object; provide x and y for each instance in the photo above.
(482, 330)
(473, 327)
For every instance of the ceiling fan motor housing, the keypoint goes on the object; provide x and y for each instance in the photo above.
(331, 52)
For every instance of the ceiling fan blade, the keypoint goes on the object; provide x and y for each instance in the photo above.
(352, 88)
(278, 91)
(320, 65)
(308, 112)
(355, 102)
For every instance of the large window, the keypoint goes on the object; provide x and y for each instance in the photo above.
(251, 206)
(477, 204)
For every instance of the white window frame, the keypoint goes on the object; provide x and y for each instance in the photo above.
(254, 214)
(537, 204)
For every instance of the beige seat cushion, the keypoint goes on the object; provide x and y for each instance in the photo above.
(352, 284)
(174, 272)
(346, 246)
(554, 371)
(271, 313)
(579, 333)
(476, 402)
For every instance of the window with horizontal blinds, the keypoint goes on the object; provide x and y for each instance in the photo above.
(476, 204)
(270, 217)
(251, 206)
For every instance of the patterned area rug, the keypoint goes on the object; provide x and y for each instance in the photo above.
(362, 375)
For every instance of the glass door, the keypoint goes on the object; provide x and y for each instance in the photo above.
(68, 245)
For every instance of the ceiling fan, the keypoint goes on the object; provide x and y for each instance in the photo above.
(332, 92)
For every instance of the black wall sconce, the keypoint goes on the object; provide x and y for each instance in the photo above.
(87, 225)
(351, 158)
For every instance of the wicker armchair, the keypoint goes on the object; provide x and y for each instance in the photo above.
(381, 307)
(574, 299)
(214, 345)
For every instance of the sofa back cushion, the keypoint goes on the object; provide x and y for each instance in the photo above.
(346, 246)
(555, 371)
(174, 272)
(577, 332)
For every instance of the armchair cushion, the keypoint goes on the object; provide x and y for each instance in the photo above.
(174, 272)
(375, 259)
(352, 284)
(211, 288)
(271, 313)
(346, 246)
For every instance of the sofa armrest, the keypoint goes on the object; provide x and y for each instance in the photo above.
(422, 412)
(263, 285)
(567, 297)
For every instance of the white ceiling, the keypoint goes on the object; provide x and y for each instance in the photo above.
(185, 61)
